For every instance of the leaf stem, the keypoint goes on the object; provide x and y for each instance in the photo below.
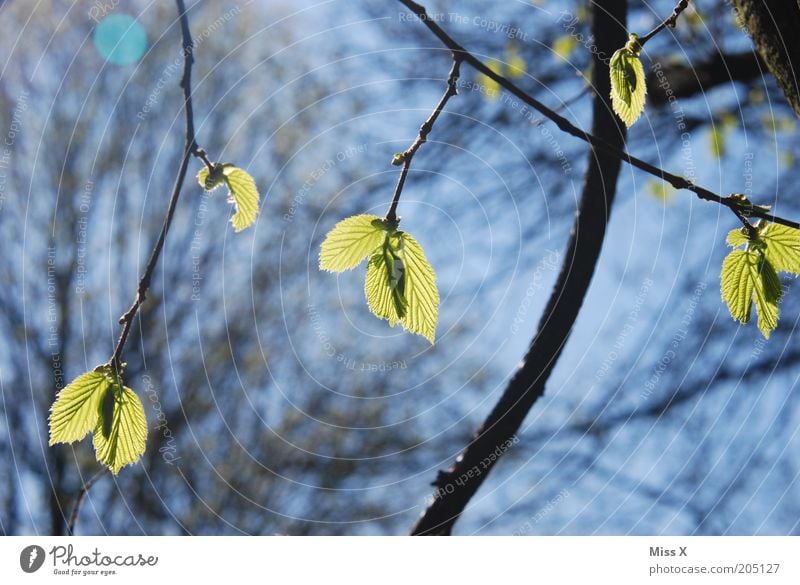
(422, 137)
(669, 22)
(598, 143)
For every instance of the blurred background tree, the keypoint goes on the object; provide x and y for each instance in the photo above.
(276, 402)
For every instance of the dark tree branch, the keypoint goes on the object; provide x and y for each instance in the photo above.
(457, 485)
(669, 22)
(598, 143)
(73, 517)
(190, 149)
(406, 156)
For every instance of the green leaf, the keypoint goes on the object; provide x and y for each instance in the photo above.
(77, 407)
(661, 190)
(123, 441)
(244, 195)
(737, 284)
(783, 247)
(737, 237)
(350, 241)
(767, 293)
(564, 45)
(401, 285)
(420, 288)
(488, 86)
(717, 142)
(746, 277)
(384, 300)
(515, 64)
(628, 87)
(213, 179)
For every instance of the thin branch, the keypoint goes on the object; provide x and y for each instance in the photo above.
(566, 126)
(73, 517)
(669, 22)
(457, 485)
(190, 149)
(424, 130)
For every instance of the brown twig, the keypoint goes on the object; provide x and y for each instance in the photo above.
(190, 149)
(566, 126)
(73, 517)
(669, 22)
(424, 130)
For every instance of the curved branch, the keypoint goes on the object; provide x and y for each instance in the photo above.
(190, 149)
(598, 143)
(457, 485)
(73, 517)
(406, 156)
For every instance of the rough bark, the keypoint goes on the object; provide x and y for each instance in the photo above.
(457, 485)
(774, 27)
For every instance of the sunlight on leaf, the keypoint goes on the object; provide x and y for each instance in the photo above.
(491, 89)
(782, 247)
(515, 64)
(564, 45)
(350, 241)
(384, 300)
(77, 408)
(716, 141)
(122, 442)
(244, 195)
(661, 190)
(746, 277)
(211, 180)
(400, 285)
(628, 87)
(737, 237)
(420, 289)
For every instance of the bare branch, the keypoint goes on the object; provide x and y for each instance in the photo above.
(566, 126)
(406, 156)
(190, 149)
(669, 22)
(73, 517)
(457, 485)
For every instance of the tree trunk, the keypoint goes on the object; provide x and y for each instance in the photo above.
(458, 484)
(774, 28)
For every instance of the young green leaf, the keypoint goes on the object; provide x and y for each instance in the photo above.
(420, 288)
(243, 193)
(210, 180)
(77, 407)
(767, 293)
(123, 441)
(737, 237)
(782, 247)
(350, 241)
(747, 276)
(400, 285)
(628, 87)
(384, 300)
